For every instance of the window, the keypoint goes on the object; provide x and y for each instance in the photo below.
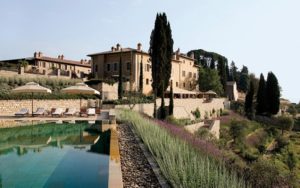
(147, 81)
(148, 68)
(183, 84)
(195, 75)
(128, 66)
(176, 84)
(190, 74)
(183, 73)
(96, 68)
(44, 64)
(115, 66)
(108, 67)
(190, 84)
(66, 67)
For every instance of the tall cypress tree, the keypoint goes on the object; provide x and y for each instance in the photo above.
(261, 96)
(272, 94)
(244, 80)
(161, 51)
(120, 81)
(234, 72)
(141, 83)
(171, 104)
(249, 102)
(222, 71)
(228, 73)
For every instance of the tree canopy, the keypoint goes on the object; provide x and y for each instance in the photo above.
(209, 80)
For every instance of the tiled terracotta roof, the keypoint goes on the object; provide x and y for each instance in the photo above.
(118, 51)
(64, 61)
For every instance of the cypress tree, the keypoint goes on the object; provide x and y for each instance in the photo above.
(161, 51)
(141, 83)
(222, 71)
(261, 96)
(171, 104)
(272, 94)
(244, 80)
(234, 72)
(120, 81)
(228, 73)
(249, 101)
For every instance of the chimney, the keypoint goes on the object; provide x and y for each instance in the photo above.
(58, 57)
(90, 62)
(112, 49)
(40, 54)
(62, 57)
(139, 47)
(118, 47)
(192, 55)
(35, 54)
(81, 61)
(177, 54)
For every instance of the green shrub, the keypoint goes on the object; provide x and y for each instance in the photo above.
(282, 142)
(197, 113)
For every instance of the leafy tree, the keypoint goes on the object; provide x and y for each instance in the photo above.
(161, 51)
(209, 80)
(244, 80)
(249, 102)
(171, 104)
(285, 123)
(141, 82)
(261, 96)
(120, 81)
(272, 94)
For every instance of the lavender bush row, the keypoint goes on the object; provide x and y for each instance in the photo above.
(179, 161)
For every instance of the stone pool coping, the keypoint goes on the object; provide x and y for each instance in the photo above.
(115, 173)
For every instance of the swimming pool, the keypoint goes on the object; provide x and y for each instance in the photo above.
(54, 155)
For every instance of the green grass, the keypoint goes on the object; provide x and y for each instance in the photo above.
(181, 163)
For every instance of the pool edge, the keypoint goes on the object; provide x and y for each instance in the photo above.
(115, 179)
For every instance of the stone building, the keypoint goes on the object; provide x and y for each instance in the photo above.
(106, 66)
(51, 66)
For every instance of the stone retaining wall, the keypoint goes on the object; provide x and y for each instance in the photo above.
(10, 107)
(182, 107)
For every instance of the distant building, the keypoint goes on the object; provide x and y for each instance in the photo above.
(231, 91)
(184, 73)
(50, 66)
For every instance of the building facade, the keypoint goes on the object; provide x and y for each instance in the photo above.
(106, 66)
(52, 66)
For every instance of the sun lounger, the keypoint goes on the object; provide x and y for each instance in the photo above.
(70, 112)
(58, 112)
(91, 111)
(39, 112)
(22, 112)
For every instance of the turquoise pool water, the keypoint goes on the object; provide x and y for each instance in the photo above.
(54, 155)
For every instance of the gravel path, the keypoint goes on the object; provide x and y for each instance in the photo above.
(136, 171)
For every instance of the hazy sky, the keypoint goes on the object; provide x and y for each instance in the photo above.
(261, 34)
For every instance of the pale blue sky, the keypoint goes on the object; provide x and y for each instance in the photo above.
(261, 34)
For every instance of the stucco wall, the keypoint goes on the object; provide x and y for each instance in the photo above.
(182, 107)
(10, 107)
